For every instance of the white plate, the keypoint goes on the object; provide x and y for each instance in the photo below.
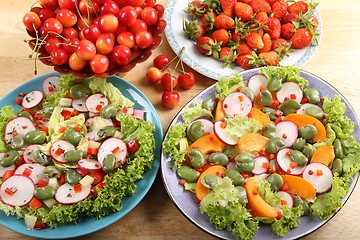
(208, 66)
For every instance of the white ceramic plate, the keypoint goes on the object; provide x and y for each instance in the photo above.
(186, 201)
(208, 66)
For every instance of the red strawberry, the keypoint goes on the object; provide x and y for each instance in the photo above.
(224, 52)
(288, 18)
(301, 39)
(228, 56)
(243, 11)
(271, 58)
(208, 19)
(222, 36)
(243, 49)
(201, 42)
(260, 5)
(288, 30)
(193, 29)
(278, 43)
(281, 47)
(267, 44)
(224, 22)
(279, 9)
(228, 7)
(254, 40)
(262, 17)
(243, 61)
(271, 2)
(298, 7)
(274, 26)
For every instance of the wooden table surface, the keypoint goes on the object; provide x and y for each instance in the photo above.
(337, 61)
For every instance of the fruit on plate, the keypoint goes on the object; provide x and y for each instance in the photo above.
(250, 33)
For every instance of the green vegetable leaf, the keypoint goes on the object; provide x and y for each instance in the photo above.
(225, 86)
(288, 221)
(238, 126)
(194, 112)
(6, 114)
(171, 144)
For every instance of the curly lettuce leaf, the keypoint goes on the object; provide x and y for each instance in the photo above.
(238, 126)
(6, 114)
(288, 221)
(171, 146)
(225, 86)
(267, 194)
(194, 112)
(225, 212)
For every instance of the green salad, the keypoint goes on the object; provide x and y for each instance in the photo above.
(74, 149)
(269, 150)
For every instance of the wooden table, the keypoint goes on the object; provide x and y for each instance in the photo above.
(156, 217)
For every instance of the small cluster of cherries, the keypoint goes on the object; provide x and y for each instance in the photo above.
(95, 34)
(163, 72)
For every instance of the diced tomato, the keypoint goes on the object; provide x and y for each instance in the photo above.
(18, 101)
(7, 174)
(265, 165)
(132, 146)
(253, 213)
(42, 183)
(304, 100)
(293, 164)
(9, 192)
(27, 172)
(98, 107)
(40, 225)
(284, 187)
(15, 133)
(182, 182)
(62, 179)
(319, 172)
(20, 161)
(279, 216)
(45, 129)
(223, 125)
(283, 202)
(275, 104)
(75, 113)
(292, 96)
(66, 114)
(38, 116)
(124, 110)
(77, 188)
(98, 176)
(62, 129)
(93, 151)
(78, 128)
(32, 113)
(261, 88)
(115, 150)
(51, 88)
(59, 151)
(35, 203)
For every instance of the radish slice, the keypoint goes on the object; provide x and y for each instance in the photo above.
(261, 165)
(29, 152)
(94, 124)
(85, 166)
(223, 135)
(126, 111)
(288, 131)
(17, 190)
(139, 114)
(58, 150)
(18, 126)
(34, 171)
(284, 161)
(256, 82)
(305, 106)
(286, 199)
(66, 194)
(208, 125)
(94, 103)
(114, 146)
(289, 90)
(237, 104)
(32, 99)
(319, 175)
(79, 104)
(50, 84)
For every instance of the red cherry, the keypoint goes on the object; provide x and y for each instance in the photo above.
(170, 99)
(187, 80)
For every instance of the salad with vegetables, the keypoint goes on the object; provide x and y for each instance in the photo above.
(74, 149)
(268, 150)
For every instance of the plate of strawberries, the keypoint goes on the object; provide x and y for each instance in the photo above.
(220, 37)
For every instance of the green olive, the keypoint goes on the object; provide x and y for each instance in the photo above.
(313, 96)
(275, 85)
(270, 112)
(275, 181)
(196, 157)
(187, 173)
(73, 155)
(218, 159)
(9, 158)
(308, 131)
(235, 176)
(17, 142)
(52, 171)
(209, 180)
(72, 177)
(72, 136)
(35, 137)
(289, 106)
(195, 131)
(315, 112)
(338, 149)
(106, 132)
(209, 104)
(266, 98)
(26, 114)
(248, 92)
(48, 111)
(244, 162)
(43, 193)
(243, 200)
(337, 166)
(299, 144)
(41, 157)
(308, 150)
(269, 130)
(78, 91)
(298, 157)
(109, 162)
(229, 150)
(299, 201)
(273, 145)
(108, 111)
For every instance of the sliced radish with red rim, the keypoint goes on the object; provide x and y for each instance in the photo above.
(237, 104)
(261, 165)
(18, 126)
(29, 152)
(256, 82)
(79, 104)
(86, 166)
(94, 124)
(288, 131)
(50, 84)
(289, 90)
(17, 190)
(34, 171)
(286, 199)
(305, 106)
(94, 103)
(223, 135)
(285, 163)
(32, 99)
(58, 150)
(319, 175)
(67, 194)
(114, 146)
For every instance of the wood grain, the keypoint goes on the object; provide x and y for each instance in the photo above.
(336, 61)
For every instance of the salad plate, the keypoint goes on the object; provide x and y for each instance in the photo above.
(187, 202)
(208, 66)
(88, 225)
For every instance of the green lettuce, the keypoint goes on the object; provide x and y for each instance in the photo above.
(194, 112)
(288, 221)
(238, 126)
(171, 145)
(225, 212)
(225, 86)
(6, 114)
